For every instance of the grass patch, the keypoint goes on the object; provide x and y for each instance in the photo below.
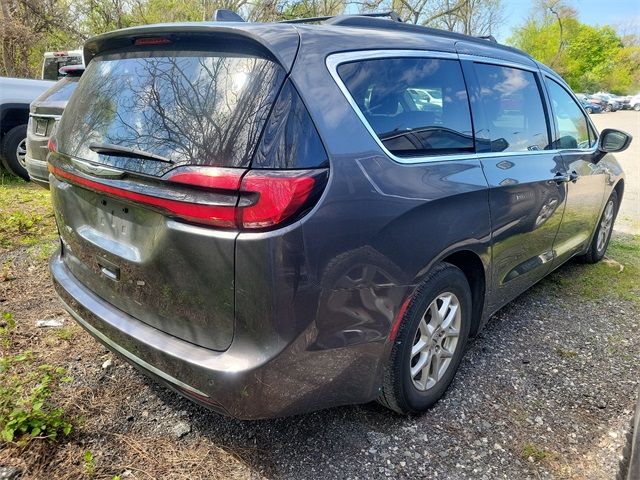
(532, 451)
(26, 410)
(605, 280)
(26, 216)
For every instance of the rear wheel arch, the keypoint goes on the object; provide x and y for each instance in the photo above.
(473, 268)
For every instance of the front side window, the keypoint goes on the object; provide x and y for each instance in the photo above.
(571, 123)
(416, 106)
(512, 104)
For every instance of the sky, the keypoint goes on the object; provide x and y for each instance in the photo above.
(593, 12)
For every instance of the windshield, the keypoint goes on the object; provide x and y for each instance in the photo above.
(187, 107)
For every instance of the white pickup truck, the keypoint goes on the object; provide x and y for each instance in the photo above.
(15, 96)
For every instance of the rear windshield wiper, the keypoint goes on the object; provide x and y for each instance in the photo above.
(120, 151)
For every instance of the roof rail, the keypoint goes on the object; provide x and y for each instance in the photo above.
(488, 38)
(391, 15)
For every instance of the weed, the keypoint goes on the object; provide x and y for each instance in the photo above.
(562, 353)
(64, 333)
(89, 464)
(532, 451)
(7, 323)
(26, 411)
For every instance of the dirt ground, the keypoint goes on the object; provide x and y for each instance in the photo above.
(545, 391)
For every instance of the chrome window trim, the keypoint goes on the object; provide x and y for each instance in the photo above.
(333, 61)
(498, 62)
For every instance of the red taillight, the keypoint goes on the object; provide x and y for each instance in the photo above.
(52, 145)
(214, 215)
(208, 177)
(280, 195)
(255, 199)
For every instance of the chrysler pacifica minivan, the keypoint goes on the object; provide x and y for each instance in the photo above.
(271, 219)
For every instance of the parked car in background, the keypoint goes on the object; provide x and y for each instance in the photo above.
(608, 103)
(634, 102)
(45, 111)
(15, 96)
(623, 101)
(591, 107)
(281, 227)
(54, 61)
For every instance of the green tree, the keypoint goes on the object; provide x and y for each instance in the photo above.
(589, 58)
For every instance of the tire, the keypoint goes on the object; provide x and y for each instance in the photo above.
(403, 392)
(607, 108)
(13, 140)
(589, 110)
(636, 107)
(600, 240)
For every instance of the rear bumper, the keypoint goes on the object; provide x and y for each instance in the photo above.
(38, 171)
(242, 382)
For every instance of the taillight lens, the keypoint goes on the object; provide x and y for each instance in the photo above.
(52, 145)
(253, 199)
(281, 194)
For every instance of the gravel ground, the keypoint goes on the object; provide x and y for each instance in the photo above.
(545, 391)
(629, 121)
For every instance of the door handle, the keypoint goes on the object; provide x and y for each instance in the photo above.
(562, 178)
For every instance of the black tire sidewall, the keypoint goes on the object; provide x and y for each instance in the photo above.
(10, 144)
(450, 279)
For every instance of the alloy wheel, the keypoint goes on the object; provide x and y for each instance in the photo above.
(605, 226)
(21, 153)
(435, 341)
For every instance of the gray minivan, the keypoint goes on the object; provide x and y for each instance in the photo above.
(273, 219)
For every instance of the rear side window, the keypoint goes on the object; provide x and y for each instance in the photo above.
(571, 122)
(511, 101)
(416, 106)
(198, 108)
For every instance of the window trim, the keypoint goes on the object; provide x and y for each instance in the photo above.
(334, 60)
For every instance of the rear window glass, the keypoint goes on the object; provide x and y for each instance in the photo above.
(187, 107)
(61, 91)
(416, 106)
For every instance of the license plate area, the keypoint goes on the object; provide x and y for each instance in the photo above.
(41, 126)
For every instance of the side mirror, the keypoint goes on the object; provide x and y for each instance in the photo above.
(612, 140)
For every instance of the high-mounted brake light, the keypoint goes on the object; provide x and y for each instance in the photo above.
(144, 41)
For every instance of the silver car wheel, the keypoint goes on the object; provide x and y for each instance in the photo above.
(605, 226)
(435, 342)
(21, 153)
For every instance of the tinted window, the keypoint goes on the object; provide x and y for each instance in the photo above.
(416, 106)
(571, 122)
(290, 139)
(190, 108)
(513, 109)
